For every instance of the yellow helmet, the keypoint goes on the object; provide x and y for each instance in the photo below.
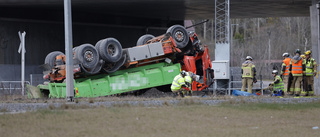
(302, 56)
(308, 52)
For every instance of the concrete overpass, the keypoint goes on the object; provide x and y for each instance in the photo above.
(125, 20)
(101, 11)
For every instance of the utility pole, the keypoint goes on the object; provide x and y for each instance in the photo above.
(68, 50)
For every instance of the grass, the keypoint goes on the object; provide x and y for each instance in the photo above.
(185, 119)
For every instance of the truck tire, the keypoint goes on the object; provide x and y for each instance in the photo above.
(87, 55)
(92, 71)
(98, 45)
(51, 58)
(144, 38)
(180, 35)
(113, 67)
(110, 50)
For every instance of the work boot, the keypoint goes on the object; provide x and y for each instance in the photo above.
(175, 95)
(181, 94)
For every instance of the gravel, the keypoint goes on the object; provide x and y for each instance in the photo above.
(151, 98)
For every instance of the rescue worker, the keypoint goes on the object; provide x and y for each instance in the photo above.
(189, 78)
(285, 72)
(178, 84)
(311, 72)
(297, 70)
(303, 83)
(277, 84)
(248, 72)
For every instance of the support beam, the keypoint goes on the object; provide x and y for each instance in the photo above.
(68, 50)
(315, 39)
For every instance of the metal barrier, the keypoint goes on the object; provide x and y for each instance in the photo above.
(12, 85)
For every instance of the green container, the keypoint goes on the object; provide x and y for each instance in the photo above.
(119, 82)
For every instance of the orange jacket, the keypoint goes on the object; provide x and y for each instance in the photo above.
(285, 66)
(297, 67)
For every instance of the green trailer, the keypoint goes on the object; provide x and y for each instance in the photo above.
(121, 81)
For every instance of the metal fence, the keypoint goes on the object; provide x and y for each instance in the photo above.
(36, 79)
(15, 87)
(12, 87)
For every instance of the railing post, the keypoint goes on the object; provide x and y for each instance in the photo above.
(261, 84)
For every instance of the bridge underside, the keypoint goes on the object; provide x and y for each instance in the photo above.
(125, 20)
(101, 11)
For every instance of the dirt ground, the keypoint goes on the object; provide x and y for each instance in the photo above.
(185, 119)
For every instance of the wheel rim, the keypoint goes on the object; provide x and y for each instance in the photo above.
(179, 36)
(111, 50)
(88, 55)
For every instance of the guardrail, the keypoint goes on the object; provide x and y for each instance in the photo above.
(8, 85)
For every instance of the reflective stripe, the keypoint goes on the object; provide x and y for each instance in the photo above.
(286, 63)
(175, 85)
(279, 85)
(177, 82)
(310, 66)
(296, 67)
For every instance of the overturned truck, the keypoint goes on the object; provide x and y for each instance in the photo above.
(107, 68)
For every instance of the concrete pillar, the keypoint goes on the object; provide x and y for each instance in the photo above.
(314, 19)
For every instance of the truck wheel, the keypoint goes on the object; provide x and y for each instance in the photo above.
(110, 50)
(94, 70)
(180, 35)
(144, 38)
(113, 67)
(87, 55)
(51, 58)
(98, 45)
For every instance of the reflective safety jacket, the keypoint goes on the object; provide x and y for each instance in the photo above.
(285, 66)
(310, 66)
(278, 84)
(297, 66)
(248, 69)
(188, 80)
(177, 82)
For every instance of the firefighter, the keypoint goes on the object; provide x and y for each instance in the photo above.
(178, 86)
(311, 72)
(285, 72)
(248, 72)
(277, 85)
(297, 70)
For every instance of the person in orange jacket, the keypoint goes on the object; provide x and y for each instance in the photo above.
(297, 70)
(285, 71)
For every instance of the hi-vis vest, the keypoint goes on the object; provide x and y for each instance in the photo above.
(187, 79)
(279, 85)
(297, 68)
(286, 62)
(310, 66)
(178, 81)
(247, 70)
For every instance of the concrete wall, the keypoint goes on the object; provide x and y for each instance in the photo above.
(44, 37)
(314, 16)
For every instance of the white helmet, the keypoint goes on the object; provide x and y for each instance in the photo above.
(183, 72)
(285, 54)
(197, 78)
(248, 57)
(275, 72)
